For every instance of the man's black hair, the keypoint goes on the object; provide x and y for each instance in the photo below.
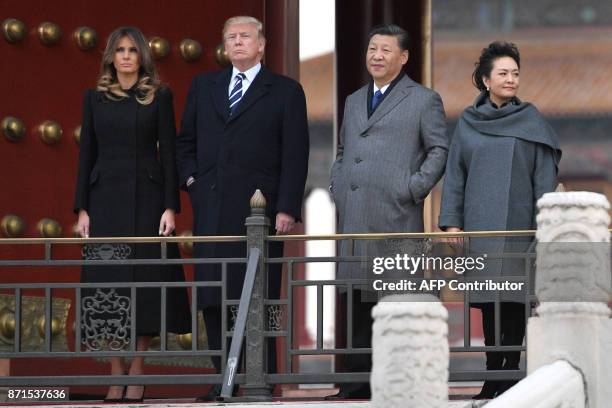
(403, 38)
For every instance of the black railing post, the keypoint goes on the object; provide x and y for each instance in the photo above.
(256, 388)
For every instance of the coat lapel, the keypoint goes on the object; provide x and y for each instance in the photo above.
(220, 96)
(256, 90)
(362, 106)
(396, 95)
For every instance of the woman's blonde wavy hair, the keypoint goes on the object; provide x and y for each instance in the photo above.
(148, 80)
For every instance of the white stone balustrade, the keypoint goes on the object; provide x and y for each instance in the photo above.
(569, 342)
(409, 353)
(557, 385)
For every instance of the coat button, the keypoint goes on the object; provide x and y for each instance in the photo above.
(364, 135)
(354, 187)
(358, 160)
(213, 187)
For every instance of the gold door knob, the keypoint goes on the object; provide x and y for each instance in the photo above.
(186, 246)
(48, 228)
(12, 226)
(221, 56)
(50, 132)
(191, 50)
(77, 135)
(56, 326)
(13, 128)
(14, 30)
(184, 340)
(86, 38)
(49, 33)
(155, 342)
(160, 47)
(7, 324)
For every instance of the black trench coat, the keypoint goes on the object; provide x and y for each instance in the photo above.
(125, 186)
(263, 145)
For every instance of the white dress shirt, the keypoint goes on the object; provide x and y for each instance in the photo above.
(250, 74)
(382, 90)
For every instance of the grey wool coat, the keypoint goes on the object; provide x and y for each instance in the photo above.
(386, 165)
(501, 161)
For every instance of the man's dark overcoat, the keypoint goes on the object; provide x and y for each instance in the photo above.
(262, 145)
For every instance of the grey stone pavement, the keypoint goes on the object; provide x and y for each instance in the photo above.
(293, 404)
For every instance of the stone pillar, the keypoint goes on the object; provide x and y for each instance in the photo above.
(256, 388)
(409, 352)
(573, 287)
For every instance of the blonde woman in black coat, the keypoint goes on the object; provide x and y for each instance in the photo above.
(125, 187)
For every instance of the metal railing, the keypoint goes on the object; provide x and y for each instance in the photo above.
(344, 377)
(251, 315)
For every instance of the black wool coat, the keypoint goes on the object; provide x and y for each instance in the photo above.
(125, 185)
(263, 145)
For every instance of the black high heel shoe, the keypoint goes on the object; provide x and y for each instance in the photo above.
(488, 391)
(116, 400)
(212, 395)
(134, 400)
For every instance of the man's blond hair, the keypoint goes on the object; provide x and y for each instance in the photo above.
(244, 20)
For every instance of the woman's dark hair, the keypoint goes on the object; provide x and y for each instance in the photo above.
(403, 38)
(484, 66)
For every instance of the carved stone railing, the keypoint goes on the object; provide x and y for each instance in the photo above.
(409, 353)
(553, 385)
(570, 340)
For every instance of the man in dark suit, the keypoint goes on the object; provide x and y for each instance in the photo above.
(243, 128)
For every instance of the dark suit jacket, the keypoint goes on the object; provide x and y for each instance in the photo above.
(263, 145)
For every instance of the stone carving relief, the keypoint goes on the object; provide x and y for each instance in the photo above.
(410, 353)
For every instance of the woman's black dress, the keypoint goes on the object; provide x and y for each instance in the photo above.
(125, 184)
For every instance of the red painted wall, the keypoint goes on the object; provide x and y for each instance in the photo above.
(40, 83)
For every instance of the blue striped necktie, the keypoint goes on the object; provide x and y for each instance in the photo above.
(376, 99)
(236, 93)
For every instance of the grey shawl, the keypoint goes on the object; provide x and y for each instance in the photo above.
(516, 119)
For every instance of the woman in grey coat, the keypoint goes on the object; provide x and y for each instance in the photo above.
(503, 157)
